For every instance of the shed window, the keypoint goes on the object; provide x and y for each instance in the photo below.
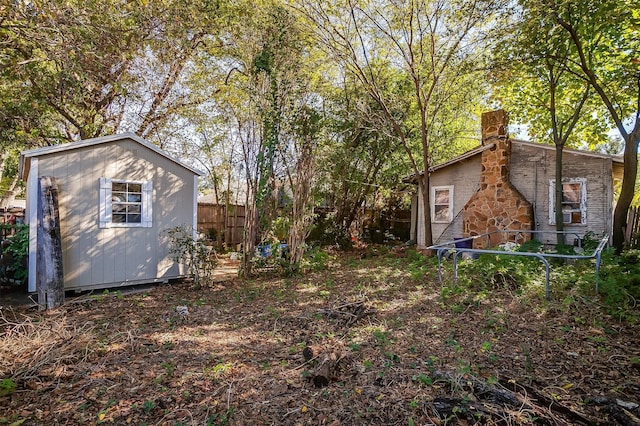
(442, 204)
(125, 203)
(574, 202)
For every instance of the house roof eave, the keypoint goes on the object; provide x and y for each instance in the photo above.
(471, 153)
(614, 158)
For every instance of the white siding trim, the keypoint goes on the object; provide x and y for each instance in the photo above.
(552, 202)
(147, 201)
(104, 215)
(195, 207)
(32, 220)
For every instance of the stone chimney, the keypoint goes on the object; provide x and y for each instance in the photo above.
(497, 205)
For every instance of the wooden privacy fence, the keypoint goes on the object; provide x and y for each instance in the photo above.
(632, 234)
(225, 223)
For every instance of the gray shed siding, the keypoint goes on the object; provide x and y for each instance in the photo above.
(96, 257)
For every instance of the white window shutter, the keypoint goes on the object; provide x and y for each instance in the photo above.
(147, 198)
(104, 215)
(552, 201)
(583, 200)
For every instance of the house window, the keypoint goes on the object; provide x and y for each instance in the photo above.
(574, 202)
(442, 204)
(125, 204)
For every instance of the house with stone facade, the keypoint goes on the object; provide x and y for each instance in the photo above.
(508, 184)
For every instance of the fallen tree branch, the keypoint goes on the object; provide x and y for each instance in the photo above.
(503, 400)
(551, 404)
(349, 312)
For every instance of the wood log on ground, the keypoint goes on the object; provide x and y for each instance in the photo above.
(625, 413)
(498, 401)
(326, 369)
(307, 353)
(624, 417)
(554, 406)
(483, 391)
(446, 407)
(49, 275)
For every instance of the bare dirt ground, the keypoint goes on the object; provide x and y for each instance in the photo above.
(359, 342)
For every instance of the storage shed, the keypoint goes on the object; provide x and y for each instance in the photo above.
(117, 195)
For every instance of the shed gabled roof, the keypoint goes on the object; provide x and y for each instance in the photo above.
(478, 150)
(25, 156)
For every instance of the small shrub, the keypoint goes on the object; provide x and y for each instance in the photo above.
(7, 387)
(316, 259)
(415, 256)
(564, 249)
(326, 232)
(493, 271)
(419, 265)
(630, 259)
(619, 283)
(148, 406)
(193, 254)
(274, 261)
(590, 241)
(15, 249)
(531, 246)
(280, 227)
(212, 234)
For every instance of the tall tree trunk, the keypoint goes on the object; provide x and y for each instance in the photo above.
(228, 237)
(301, 216)
(628, 188)
(216, 194)
(249, 237)
(631, 138)
(424, 187)
(558, 196)
(9, 194)
(3, 163)
(561, 132)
